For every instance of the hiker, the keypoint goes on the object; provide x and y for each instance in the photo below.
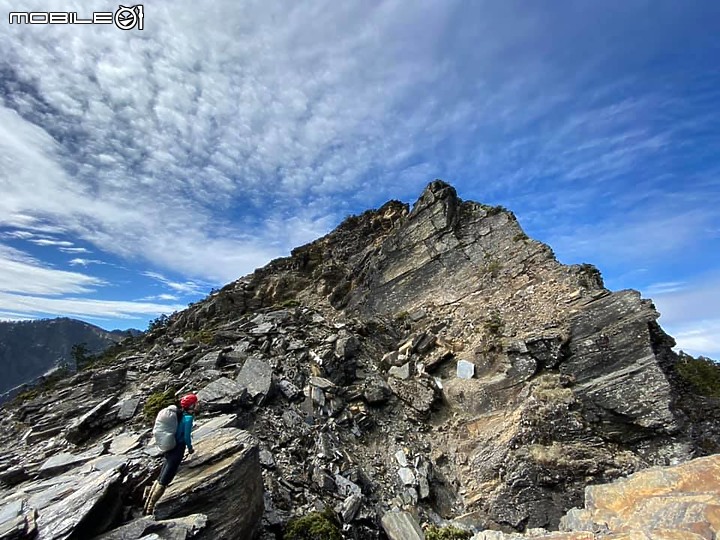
(173, 457)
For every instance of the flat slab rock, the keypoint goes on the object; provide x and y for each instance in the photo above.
(147, 527)
(256, 377)
(222, 394)
(401, 526)
(85, 512)
(222, 480)
(684, 498)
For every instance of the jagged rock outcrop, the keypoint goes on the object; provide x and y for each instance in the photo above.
(680, 502)
(433, 363)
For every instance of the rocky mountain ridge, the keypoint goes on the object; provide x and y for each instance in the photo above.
(429, 365)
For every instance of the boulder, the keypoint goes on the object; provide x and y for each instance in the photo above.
(222, 480)
(418, 394)
(681, 501)
(62, 462)
(377, 392)
(465, 369)
(223, 395)
(108, 381)
(256, 377)
(211, 360)
(90, 505)
(401, 526)
(147, 527)
(87, 425)
(128, 407)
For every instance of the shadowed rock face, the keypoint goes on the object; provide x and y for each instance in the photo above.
(413, 365)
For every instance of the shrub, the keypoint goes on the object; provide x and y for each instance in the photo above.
(446, 533)
(290, 303)
(493, 267)
(156, 402)
(313, 526)
(201, 336)
(702, 373)
(494, 324)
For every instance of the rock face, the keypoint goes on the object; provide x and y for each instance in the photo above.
(412, 367)
(662, 501)
(222, 481)
(680, 502)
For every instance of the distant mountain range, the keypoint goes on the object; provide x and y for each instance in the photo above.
(28, 349)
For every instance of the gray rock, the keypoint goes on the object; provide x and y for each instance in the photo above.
(418, 394)
(424, 343)
(401, 526)
(85, 426)
(465, 369)
(377, 392)
(266, 459)
(322, 383)
(402, 372)
(108, 381)
(62, 462)
(122, 444)
(263, 329)
(13, 476)
(317, 395)
(392, 359)
(147, 527)
(350, 507)
(435, 359)
(346, 487)
(223, 394)
(617, 373)
(407, 476)
(128, 407)
(90, 508)
(256, 377)
(288, 389)
(206, 428)
(211, 360)
(229, 458)
(346, 346)
(401, 459)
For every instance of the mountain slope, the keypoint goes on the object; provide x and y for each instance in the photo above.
(30, 348)
(433, 360)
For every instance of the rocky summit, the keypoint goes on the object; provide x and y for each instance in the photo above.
(417, 368)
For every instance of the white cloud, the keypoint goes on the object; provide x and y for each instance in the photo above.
(702, 338)
(29, 306)
(85, 262)
(219, 138)
(187, 287)
(162, 297)
(21, 274)
(48, 242)
(691, 314)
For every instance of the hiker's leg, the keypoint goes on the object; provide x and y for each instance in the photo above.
(172, 464)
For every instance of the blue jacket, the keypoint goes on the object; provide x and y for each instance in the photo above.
(184, 430)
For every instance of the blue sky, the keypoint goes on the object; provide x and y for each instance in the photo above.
(139, 169)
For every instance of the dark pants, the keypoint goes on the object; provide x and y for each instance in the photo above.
(171, 465)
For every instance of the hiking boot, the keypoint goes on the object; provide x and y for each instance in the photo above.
(156, 491)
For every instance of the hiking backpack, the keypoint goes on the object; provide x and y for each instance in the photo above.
(165, 427)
